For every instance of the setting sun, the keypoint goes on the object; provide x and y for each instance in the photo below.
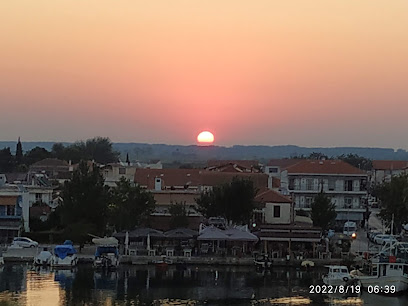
(205, 137)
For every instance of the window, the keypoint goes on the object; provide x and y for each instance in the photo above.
(309, 201)
(122, 170)
(292, 184)
(273, 170)
(332, 184)
(348, 185)
(38, 197)
(10, 210)
(348, 202)
(309, 184)
(276, 211)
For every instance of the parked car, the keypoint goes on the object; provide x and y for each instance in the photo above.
(380, 239)
(24, 242)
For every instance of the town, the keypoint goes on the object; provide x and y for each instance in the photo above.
(293, 211)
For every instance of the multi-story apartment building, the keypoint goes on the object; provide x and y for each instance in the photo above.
(344, 184)
(14, 211)
(384, 170)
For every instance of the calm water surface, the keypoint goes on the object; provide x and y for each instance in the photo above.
(22, 284)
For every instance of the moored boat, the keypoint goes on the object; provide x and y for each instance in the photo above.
(337, 276)
(64, 256)
(163, 263)
(43, 258)
(262, 261)
(390, 276)
(107, 253)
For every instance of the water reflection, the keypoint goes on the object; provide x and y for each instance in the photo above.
(141, 285)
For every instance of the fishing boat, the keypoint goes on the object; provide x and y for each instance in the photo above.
(43, 258)
(390, 275)
(107, 253)
(337, 276)
(64, 255)
(386, 269)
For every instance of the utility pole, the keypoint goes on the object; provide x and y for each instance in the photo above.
(392, 224)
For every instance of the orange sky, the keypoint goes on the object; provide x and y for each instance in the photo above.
(311, 73)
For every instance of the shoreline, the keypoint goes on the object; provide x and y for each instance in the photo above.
(14, 257)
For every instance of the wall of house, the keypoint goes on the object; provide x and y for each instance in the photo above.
(44, 196)
(116, 173)
(284, 216)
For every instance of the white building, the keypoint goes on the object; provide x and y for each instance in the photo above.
(112, 173)
(344, 184)
(273, 208)
(14, 210)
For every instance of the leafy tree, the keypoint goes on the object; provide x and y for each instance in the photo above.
(35, 155)
(75, 152)
(323, 212)
(85, 199)
(58, 150)
(394, 200)
(100, 149)
(179, 216)
(234, 201)
(129, 205)
(357, 161)
(6, 160)
(317, 156)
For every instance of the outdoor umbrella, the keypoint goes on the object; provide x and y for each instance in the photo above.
(144, 232)
(181, 233)
(235, 234)
(212, 233)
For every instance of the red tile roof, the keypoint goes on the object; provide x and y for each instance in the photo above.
(271, 196)
(389, 164)
(51, 162)
(283, 163)
(170, 196)
(243, 163)
(194, 177)
(325, 167)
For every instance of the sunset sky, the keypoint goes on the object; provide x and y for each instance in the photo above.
(310, 73)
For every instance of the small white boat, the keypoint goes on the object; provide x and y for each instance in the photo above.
(64, 256)
(43, 258)
(263, 261)
(337, 276)
(107, 253)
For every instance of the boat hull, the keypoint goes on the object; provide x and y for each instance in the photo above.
(400, 282)
(68, 262)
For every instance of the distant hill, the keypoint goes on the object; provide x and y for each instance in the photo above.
(193, 153)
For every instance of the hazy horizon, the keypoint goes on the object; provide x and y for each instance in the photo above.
(312, 74)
